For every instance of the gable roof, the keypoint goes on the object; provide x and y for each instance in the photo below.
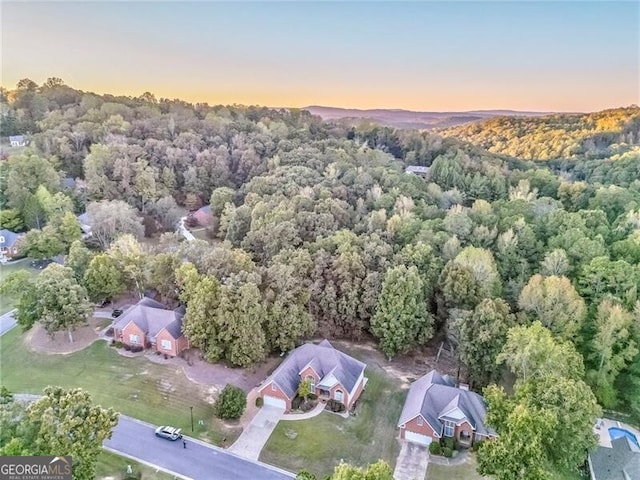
(206, 210)
(151, 317)
(16, 138)
(620, 462)
(417, 169)
(437, 399)
(326, 362)
(8, 238)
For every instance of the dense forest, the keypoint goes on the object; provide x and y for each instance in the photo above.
(318, 232)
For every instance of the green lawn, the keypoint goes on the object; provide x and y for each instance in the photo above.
(6, 302)
(159, 394)
(466, 471)
(323, 440)
(114, 467)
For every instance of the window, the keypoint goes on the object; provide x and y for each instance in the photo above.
(449, 428)
(312, 383)
(338, 395)
(166, 344)
(134, 338)
(420, 422)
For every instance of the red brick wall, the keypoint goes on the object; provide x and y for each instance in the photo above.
(423, 429)
(345, 394)
(132, 328)
(357, 393)
(183, 344)
(464, 427)
(267, 390)
(164, 335)
(309, 371)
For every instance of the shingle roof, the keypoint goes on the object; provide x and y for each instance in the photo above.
(68, 182)
(416, 169)
(435, 395)
(620, 462)
(206, 210)
(8, 238)
(324, 359)
(16, 138)
(83, 218)
(151, 317)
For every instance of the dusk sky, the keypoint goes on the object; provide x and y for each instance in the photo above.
(435, 56)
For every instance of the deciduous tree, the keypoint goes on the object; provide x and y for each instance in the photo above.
(554, 302)
(62, 302)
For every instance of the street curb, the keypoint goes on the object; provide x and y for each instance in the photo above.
(218, 449)
(144, 462)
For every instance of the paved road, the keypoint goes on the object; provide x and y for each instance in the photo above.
(255, 436)
(199, 460)
(7, 322)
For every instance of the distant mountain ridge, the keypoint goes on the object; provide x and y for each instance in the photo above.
(408, 119)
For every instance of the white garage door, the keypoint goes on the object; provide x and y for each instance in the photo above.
(274, 402)
(417, 438)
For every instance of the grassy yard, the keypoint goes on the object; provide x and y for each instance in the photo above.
(322, 441)
(6, 302)
(159, 394)
(466, 471)
(114, 467)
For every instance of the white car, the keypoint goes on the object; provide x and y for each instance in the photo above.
(169, 433)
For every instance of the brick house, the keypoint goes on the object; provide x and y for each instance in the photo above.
(334, 376)
(436, 408)
(9, 245)
(150, 324)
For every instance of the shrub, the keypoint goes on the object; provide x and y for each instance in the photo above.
(305, 475)
(449, 442)
(259, 401)
(296, 402)
(435, 448)
(336, 406)
(312, 396)
(137, 348)
(126, 347)
(476, 445)
(447, 452)
(109, 332)
(231, 403)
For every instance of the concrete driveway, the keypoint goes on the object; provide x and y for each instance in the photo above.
(412, 462)
(253, 438)
(7, 322)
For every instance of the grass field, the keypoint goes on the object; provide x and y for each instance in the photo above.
(322, 441)
(114, 467)
(466, 471)
(159, 394)
(6, 302)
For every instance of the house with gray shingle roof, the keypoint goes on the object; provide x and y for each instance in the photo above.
(9, 245)
(417, 170)
(619, 462)
(149, 324)
(334, 375)
(436, 408)
(17, 140)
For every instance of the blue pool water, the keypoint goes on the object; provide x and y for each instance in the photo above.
(621, 432)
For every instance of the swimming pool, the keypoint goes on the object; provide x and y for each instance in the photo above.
(621, 432)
